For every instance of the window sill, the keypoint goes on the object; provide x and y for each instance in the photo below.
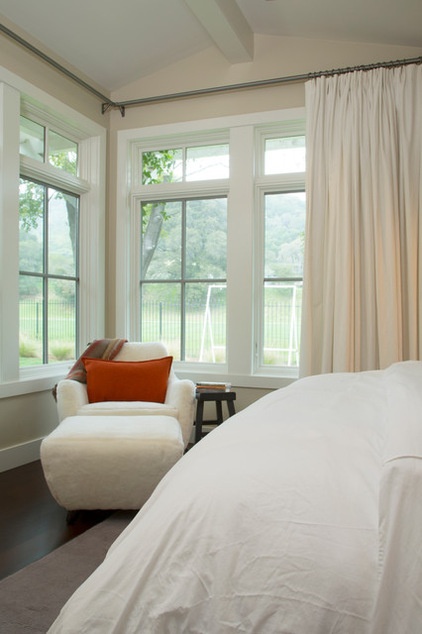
(34, 380)
(257, 381)
(44, 378)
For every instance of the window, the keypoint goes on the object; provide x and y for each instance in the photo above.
(48, 250)
(284, 226)
(210, 246)
(42, 144)
(185, 164)
(284, 155)
(183, 277)
(183, 250)
(48, 274)
(52, 209)
(283, 207)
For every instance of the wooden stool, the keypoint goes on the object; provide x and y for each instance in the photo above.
(218, 397)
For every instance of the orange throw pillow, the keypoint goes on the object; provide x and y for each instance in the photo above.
(127, 380)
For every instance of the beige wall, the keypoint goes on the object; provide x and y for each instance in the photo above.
(30, 67)
(24, 419)
(274, 57)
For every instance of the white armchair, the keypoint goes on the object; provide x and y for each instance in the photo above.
(72, 396)
(112, 454)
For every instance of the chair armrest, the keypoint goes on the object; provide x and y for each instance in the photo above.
(71, 395)
(181, 395)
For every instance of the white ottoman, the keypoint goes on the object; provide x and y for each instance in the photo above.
(109, 462)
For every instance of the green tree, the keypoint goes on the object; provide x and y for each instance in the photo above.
(31, 205)
(157, 167)
(32, 201)
(67, 161)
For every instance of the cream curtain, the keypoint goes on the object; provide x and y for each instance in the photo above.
(363, 260)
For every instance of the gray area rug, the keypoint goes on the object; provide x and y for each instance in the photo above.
(31, 599)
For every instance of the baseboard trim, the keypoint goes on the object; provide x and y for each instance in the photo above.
(18, 455)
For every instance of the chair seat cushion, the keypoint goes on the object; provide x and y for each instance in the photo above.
(119, 428)
(127, 408)
(109, 462)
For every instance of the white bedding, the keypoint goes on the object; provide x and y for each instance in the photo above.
(299, 515)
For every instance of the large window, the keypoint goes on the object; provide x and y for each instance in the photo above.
(48, 247)
(52, 217)
(183, 249)
(210, 246)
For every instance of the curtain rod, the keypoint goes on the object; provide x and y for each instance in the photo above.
(291, 79)
(20, 40)
(108, 104)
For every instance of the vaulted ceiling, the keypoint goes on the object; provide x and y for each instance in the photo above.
(115, 42)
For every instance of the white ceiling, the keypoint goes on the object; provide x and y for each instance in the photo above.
(115, 42)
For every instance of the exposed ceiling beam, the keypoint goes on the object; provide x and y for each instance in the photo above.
(227, 26)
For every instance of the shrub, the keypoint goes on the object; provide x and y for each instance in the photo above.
(28, 349)
(62, 351)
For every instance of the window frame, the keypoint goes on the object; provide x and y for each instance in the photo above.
(183, 281)
(19, 97)
(270, 184)
(294, 184)
(242, 189)
(139, 193)
(46, 276)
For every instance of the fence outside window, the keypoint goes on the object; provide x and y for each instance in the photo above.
(205, 333)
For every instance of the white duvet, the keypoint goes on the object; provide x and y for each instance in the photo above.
(300, 515)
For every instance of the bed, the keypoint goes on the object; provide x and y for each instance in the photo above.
(301, 514)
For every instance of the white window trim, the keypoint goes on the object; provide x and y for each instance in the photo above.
(241, 294)
(265, 184)
(291, 183)
(56, 177)
(17, 96)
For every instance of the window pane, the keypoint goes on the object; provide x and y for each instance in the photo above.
(284, 234)
(62, 153)
(282, 301)
(161, 315)
(31, 142)
(162, 166)
(205, 323)
(207, 162)
(282, 315)
(206, 239)
(183, 241)
(161, 243)
(62, 233)
(48, 306)
(285, 155)
(31, 226)
(31, 327)
(61, 320)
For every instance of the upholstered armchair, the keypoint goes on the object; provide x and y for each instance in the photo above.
(72, 396)
(124, 422)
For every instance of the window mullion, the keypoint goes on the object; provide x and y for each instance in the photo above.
(183, 286)
(45, 276)
(240, 263)
(9, 232)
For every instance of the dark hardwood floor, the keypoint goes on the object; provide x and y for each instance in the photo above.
(32, 524)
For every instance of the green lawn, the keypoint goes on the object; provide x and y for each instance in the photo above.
(205, 338)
